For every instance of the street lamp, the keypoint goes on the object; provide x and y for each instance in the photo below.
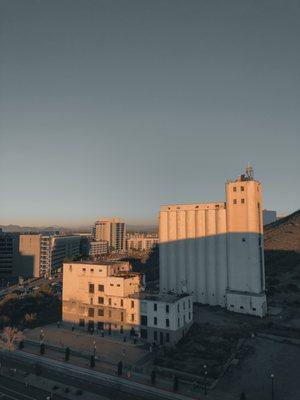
(272, 380)
(205, 379)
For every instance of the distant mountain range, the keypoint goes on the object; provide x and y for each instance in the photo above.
(80, 229)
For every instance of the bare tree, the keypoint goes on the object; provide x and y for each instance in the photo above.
(9, 337)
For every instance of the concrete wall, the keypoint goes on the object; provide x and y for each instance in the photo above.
(29, 255)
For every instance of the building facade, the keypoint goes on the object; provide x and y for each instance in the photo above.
(108, 297)
(40, 255)
(9, 246)
(269, 217)
(215, 250)
(113, 230)
(141, 242)
(98, 248)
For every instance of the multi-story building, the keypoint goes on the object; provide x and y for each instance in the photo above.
(108, 296)
(215, 250)
(98, 248)
(9, 244)
(141, 242)
(40, 255)
(113, 230)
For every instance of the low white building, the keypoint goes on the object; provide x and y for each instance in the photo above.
(164, 318)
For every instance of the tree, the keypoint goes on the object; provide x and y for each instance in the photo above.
(9, 337)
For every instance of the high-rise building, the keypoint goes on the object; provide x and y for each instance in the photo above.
(113, 230)
(98, 248)
(141, 241)
(40, 255)
(9, 244)
(215, 250)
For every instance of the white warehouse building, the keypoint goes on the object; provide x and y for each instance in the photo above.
(215, 250)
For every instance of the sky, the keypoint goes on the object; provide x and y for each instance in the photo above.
(113, 107)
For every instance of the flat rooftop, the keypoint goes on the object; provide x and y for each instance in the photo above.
(159, 297)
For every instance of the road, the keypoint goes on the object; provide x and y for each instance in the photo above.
(10, 389)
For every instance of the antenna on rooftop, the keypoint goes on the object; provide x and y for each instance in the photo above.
(249, 172)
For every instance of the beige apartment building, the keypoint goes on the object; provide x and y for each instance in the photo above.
(215, 250)
(107, 297)
(141, 242)
(112, 230)
(40, 255)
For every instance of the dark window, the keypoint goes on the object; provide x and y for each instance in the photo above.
(155, 335)
(100, 326)
(122, 316)
(244, 240)
(189, 315)
(111, 284)
(132, 317)
(178, 307)
(234, 188)
(91, 312)
(92, 270)
(91, 288)
(155, 307)
(83, 269)
(242, 188)
(122, 302)
(234, 201)
(254, 309)
(132, 304)
(109, 314)
(231, 305)
(167, 337)
(81, 322)
(100, 312)
(109, 302)
(144, 333)
(144, 320)
(155, 321)
(241, 307)
(167, 308)
(242, 201)
(100, 300)
(189, 303)
(167, 322)
(101, 288)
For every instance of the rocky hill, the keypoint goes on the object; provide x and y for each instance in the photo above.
(282, 259)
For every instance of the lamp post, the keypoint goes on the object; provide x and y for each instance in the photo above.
(272, 382)
(205, 379)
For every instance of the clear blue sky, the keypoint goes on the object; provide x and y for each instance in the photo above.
(115, 107)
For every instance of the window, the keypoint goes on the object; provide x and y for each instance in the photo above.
(122, 303)
(155, 321)
(83, 269)
(118, 285)
(111, 284)
(244, 240)
(100, 300)
(243, 201)
(122, 316)
(81, 322)
(167, 308)
(91, 288)
(189, 315)
(167, 337)
(132, 317)
(189, 303)
(144, 320)
(144, 333)
(234, 201)
(234, 188)
(100, 312)
(101, 288)
(242, 189)
(91, 301)
(254, 309)
(178, 307)
(91, 312)
(155, 335)
(109, 301)
(132, 304)
(155, 307)
(167, 322)
(109, 314)
(231, 305)
(241, 307)
(92, 270)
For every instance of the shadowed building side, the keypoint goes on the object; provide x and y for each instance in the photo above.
(215, 250)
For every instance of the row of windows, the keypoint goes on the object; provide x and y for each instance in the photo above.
(101, 313)
(101, 301)
(235, 201)
(235, 188)
(168, 307)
